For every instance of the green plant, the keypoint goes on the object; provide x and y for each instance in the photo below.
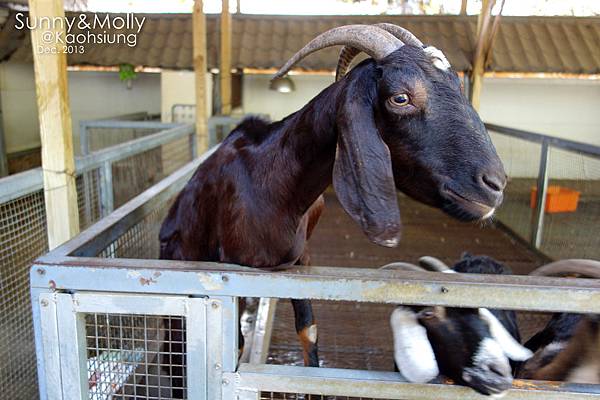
(127, 72)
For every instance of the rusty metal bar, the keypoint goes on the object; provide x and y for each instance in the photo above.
(351, 284)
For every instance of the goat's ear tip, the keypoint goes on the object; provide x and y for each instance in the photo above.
(387, 239)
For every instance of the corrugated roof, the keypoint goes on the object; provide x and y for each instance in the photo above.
(523, 44)
(70, 5)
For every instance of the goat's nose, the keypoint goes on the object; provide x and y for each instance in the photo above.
(489, 379)
(493, 181)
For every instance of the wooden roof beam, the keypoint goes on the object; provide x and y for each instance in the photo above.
(225, 67)
(199, 44)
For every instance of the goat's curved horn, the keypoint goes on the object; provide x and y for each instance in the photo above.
(372, 40)
(434, 264)
(583, 267)
(403, 266)
(349, 53)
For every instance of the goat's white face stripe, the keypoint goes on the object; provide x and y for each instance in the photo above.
(490, 353)
(412, 351)
(439, 59)
(507, 342)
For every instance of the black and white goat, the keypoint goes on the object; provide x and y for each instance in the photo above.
(568, 348)
(472, 347)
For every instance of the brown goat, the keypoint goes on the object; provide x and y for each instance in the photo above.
(399, 120)
(568, 348)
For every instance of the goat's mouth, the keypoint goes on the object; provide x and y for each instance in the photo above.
(461, 207)
(487, 382)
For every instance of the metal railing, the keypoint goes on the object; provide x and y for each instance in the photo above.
(99, 134)
(559, 161)
(105, 179)
(108, 274)
(219, 126)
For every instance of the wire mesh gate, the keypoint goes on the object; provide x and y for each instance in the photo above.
(152, 329)
(539, 163)
(101, 177)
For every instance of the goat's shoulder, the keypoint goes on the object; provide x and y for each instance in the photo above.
(252, 130)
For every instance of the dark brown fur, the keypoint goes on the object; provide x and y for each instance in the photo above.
(582, 349)
(256, 199)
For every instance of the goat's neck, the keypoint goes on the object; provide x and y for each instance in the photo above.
(308, 139)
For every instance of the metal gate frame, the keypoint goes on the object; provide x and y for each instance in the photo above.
(211, 337)
(193, 290)
(72, 280)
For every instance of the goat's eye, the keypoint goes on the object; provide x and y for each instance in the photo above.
(400, 100)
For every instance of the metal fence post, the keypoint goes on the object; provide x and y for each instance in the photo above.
(196, 326)
(265, 316)
(106, 189)
(40, 318)
(72, 348)
(47, 336)
(537, 228)
(221, 342)
(83, 138)
(193, 145)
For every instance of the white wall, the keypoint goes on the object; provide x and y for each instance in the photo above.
(95, 95)
(19, 107)
(92, 95)
(178, 87)
(561, 107)
(258, 99)
(566, 108)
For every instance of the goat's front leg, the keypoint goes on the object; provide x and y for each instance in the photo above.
(306, 328)
(307, 331)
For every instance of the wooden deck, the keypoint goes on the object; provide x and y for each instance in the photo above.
(357, 335)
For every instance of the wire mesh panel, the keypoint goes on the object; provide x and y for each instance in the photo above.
(521, 161)
(572, 213)
(22, 239)
(176, 154)
(141, 240)
(88, 198)
(134, 174)
(297, 396)
(100, 138)
(135, 356)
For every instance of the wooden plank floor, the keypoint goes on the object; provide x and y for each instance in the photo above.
(357, 335)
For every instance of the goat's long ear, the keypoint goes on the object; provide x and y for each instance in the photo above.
(513, 349)
(362, 172)
(413, 353)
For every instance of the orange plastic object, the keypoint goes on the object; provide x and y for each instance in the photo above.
(558, 199)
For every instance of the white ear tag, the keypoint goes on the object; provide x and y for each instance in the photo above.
(412, 351)
(513, 349)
